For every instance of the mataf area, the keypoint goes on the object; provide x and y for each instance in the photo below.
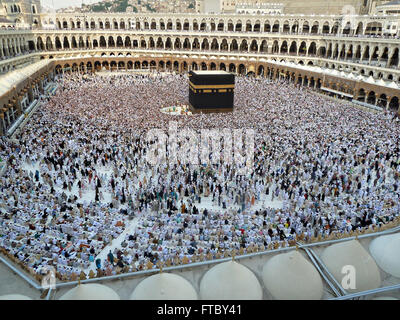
(274, 177)
(79, 194)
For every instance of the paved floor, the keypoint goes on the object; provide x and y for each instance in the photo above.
(10, 283)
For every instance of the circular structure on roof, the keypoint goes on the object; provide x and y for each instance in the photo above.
(164, 286)
(289, 276)
(14, 297)
(230, 281)
(92, 291)
(340, 258)
(385, 250)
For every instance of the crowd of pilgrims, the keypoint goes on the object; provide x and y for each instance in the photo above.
(78, 176)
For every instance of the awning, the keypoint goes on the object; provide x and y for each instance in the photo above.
(337, 92)
(13, 78)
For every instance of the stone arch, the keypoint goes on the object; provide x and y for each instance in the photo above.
(196, 44)
(74, 44)
(111, 42)
(178, 25)
(221, 25)
(162, 27)
(366, 53)
(267, 26)
(40, 44)
(394, 59)
(66, 43)
(128, 42)
(286, 26)
(249, 26)
(264, 46)
(276, 25)
(394, 104)
(371, 98)
(373, 28)
(160, 43)
(205, 45)
(49, 44)
(152, 44)
(305, 27)
(295, 27)
(382, 100)
(244, 46)
(284, 47)
(214, 45)
(347, 28)
(224, 45)
(238, 26)
(275, 47)
(168, 43)
(315, 27)
(326, 27)
(254, 46)
(177, 44)
(260, 70)
(242, 69)
(349, 53)
(335, 28)
(360, 28)
(186, 25)
(119, 43)
(231, 26)
(293, 48)
(303, 48)
(186, 44)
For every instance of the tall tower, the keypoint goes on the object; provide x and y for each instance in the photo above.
(22, 11)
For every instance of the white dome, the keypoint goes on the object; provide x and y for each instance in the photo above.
(164, 286)
(385, 251)
(14, 297)
(352, 253)
(91, 291)
(230, 281)
(289, 276)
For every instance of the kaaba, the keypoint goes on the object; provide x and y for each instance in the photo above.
(211, 91)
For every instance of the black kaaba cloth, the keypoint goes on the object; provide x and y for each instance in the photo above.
(211, 91)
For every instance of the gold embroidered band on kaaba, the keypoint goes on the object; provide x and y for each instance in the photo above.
(215, 86)
(211, 88)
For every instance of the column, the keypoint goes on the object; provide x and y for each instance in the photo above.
(387, 102)
(41, 89)
(19, 104)
(2, 124)
(30, 94)
(8, 114)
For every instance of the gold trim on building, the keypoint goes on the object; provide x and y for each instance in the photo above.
(215, 86)
(211, 91)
